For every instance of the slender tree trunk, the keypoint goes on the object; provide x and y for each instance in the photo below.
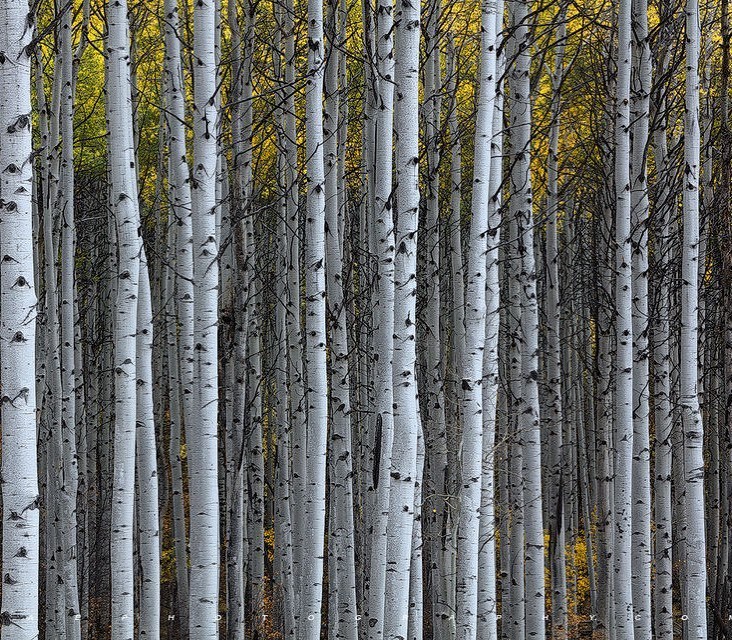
(555, 417)
(475, 333)
(383, 342)
(528, 400)
(693, 431)
(623, 431)
(315, 326)
(147, 467)
(127, 217)
(18, 329)
(641, 488)
(201, 431)
(406, 415)
(182, 293)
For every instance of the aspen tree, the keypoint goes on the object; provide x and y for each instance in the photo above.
(147, 465)
(180, 353)
(311, 582)
(340, 538)
(623, 428)
(641, 511)
(475, 336)
(383, 341)
(693, 430)
(124, 199)
(528, 399)
(201, 431)
(487, 596)
(65, 211)
(406, 415)
(21, 586)
(433, 407)
(663, 414)
(557, 455)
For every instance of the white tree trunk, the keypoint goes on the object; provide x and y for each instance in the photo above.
(471, 470)
(147, 467)
(663, 543)
(201, 431)
(528, 400)
(641, 512)
(406, 417)
(180, 351)
(18, 329)
(65, 211)
(383, 343)
(487, 596)
(693, 431)
(315, 327)
(341, 535)
(623, 430)
(127, 217)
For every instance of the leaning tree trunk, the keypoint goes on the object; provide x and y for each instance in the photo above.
(20, 507)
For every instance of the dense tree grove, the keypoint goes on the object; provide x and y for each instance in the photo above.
(374, 320)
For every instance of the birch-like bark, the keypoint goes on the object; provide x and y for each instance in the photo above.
(557, 538)
(315, 328)
(175, 442)
(342, 620)
(406, 416)
(127, 217)
(487, 596)
(641, 488)
(148, 524)
(693, 430)
(201, 431)
(20, 531)
(475, 338)
(623, 431)
(433, 406)
(528, 400)
(383, 341)
(180, 350)
(49, 122)
(65, 211)
(297, 406)
(663, 414)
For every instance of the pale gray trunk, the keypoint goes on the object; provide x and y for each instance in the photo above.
(693, 431)
(406, 416)
(641, 511)
(148, 524)
(125, 205)
(201, 430)
(471, 469)
(623, 428)
(20, 506)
